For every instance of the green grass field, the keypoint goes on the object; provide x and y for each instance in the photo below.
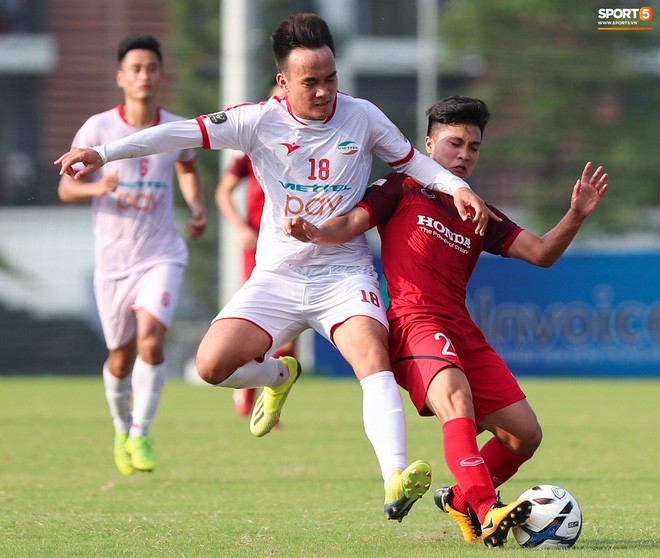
(313, 488)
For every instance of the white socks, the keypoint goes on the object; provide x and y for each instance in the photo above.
(384, 421)
(147, 384)
(118, 393)
(271, 372)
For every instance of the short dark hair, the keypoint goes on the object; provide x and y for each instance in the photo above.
(300, 30)
(458, 110)
(139, 42)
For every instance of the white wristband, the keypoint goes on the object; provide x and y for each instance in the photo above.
(100, 149)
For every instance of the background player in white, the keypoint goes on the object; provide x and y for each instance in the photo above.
(311, 152)
(140, 256)
(438, 353)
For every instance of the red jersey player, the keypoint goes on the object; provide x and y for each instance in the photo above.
(438, 353)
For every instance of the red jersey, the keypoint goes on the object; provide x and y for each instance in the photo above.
(242, 168)
(428, 251)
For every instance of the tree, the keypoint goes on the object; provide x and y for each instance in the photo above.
(560, 93)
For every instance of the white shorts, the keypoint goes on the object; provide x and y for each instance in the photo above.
(156, 290)
(286, 303)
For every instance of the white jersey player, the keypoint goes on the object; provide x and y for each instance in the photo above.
(134, 225)
(312, 152)
(314, 169)
(140, 257)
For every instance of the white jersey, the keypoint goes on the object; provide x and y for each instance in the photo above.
(134, 226)
(312, 169)
(309, 168)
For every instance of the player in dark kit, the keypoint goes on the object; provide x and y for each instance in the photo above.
(438, 353)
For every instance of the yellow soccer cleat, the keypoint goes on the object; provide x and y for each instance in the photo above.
(267, 409)
(468, 522)
(142, 456)
(405, 488)
(122, 459)
(501, 518)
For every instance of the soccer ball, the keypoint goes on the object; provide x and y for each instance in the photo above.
(555, 520)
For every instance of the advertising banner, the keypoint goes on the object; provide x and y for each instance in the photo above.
(591, 314)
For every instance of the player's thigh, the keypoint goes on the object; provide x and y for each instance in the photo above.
(362, 341)
(347, 308)
(228, 344)
(150, 337)
(262, 316)
(449, 395)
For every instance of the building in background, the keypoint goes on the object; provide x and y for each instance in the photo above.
(56, 69)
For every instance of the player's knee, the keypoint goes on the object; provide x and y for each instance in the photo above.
(534, 439)
(210, 370)
(150, 350)
(528, 441)
(120, 364)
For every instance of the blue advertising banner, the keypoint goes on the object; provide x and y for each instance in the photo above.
(591, 314)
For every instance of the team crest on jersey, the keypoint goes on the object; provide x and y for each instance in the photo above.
(428, 193)
(218, 117)
(348, 147)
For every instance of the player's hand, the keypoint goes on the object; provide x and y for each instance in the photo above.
(588, 191)
(107, 184)
(472, 207)
(197, 224)
(300, 229)
(88, 157)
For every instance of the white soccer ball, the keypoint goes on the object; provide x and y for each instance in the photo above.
(555, 520)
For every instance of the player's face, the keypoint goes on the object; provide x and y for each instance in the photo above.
(140, 75)
(309, 80)
(455, 147)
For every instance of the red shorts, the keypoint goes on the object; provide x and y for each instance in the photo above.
(421, 345)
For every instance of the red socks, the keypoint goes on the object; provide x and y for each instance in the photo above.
(468, 467)
(501, 463)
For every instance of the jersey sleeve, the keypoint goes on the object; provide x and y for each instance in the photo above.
(392, 147)
(169, 136)
(231, 128)
(382, 198)
(500, 234)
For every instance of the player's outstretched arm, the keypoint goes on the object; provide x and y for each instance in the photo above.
(180, 134)
(546, 250)
(333, 231)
